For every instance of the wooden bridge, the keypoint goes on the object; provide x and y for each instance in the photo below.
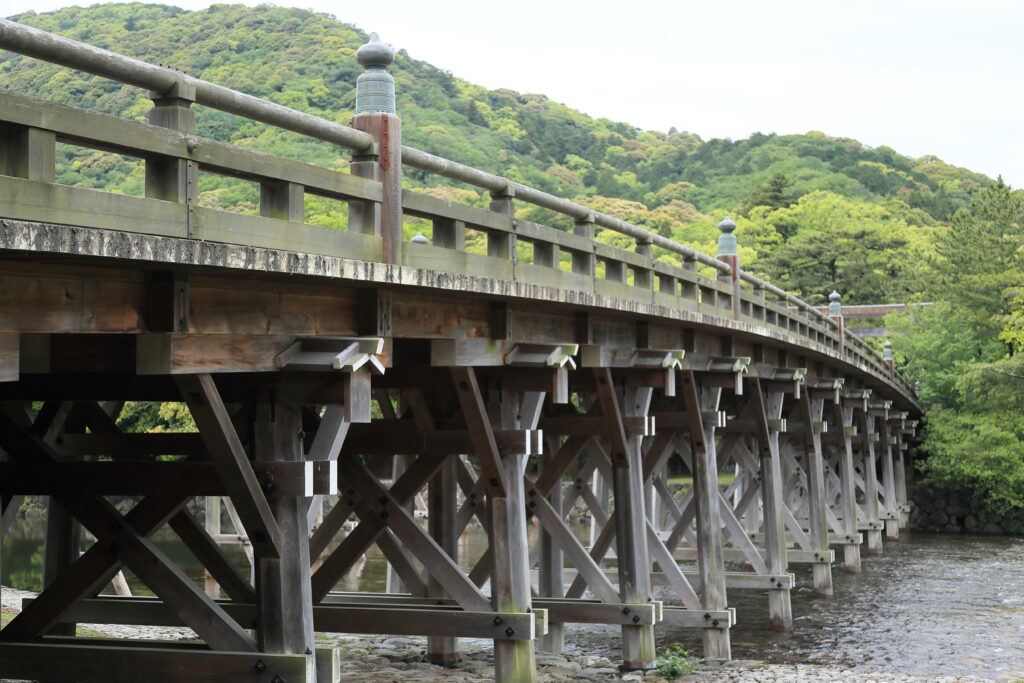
(319, 363)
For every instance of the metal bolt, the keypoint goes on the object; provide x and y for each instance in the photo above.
(510, 632)
(276, 679)
(636, 618)
(625, 610)
(260, 666)
(383, 500)
(707, 615)
(714, 622)
(384, 514)
(497, 621)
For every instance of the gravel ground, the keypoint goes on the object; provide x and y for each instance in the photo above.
(377, 659)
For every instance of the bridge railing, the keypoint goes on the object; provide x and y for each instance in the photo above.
(175, 157)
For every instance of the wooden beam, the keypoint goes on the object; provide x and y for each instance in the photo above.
(362, 537)
(231, 461)
(614, 426)
(152, 478)
(111, 664)
(88, 574)
(477, 421)
(212, 557)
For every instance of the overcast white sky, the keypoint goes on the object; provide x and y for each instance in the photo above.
(936, 77)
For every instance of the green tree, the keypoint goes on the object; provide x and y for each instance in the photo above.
(980, 265)
(772, 193)
(864, 251)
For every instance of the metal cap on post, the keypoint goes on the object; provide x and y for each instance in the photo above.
(835, 311)
(375, 87)
(728, 252)
(376, 114)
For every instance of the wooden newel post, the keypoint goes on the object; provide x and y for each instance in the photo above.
(728, 253)
(835, 312)
(376, 115)
(887, 357)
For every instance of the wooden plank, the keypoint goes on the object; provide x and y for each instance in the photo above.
(108, 664)
(208, 353)
(232, 463)
(32, 200)
(387, 437)
(145, 478)
(211, 556)
(407, 616)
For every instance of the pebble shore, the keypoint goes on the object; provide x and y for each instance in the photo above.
(379, 659)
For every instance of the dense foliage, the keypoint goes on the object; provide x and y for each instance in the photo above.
(814, 212)
(967, 352)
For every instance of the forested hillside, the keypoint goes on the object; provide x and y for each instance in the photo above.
(796, 194)
(814, 212)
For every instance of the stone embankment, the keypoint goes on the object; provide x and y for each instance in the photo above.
(378, 659)
(936, 509)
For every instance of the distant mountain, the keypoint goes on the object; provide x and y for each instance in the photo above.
(675, 182)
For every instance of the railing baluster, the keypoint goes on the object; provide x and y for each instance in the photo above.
(30, 153)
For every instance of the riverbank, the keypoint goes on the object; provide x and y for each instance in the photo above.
(378, 659)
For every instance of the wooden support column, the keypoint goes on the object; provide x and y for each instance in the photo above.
(768, 413)
(843, 415)
(892, 514)
(638, 650)
(811, 410)
(710, 564)
(284, 602)
(514, 660)
(869, 471)
(551, 565)
(441, 520)
(63, 537)
(901, 482)
(63, 533)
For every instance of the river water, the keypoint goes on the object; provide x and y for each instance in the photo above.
(932, 605)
